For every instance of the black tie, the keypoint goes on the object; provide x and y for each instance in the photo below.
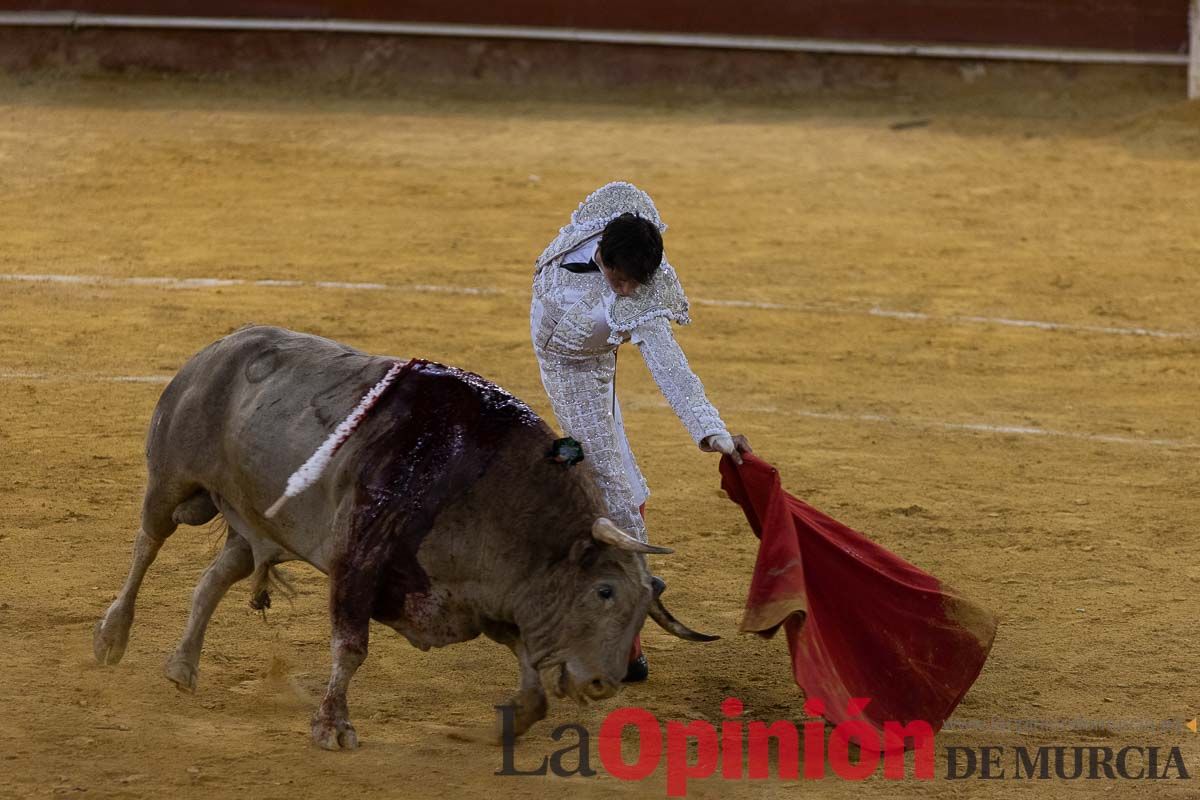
(581, 266)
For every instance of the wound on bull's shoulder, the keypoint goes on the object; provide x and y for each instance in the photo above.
(429, 440)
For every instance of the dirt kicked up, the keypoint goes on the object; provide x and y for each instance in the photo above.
(965, 326)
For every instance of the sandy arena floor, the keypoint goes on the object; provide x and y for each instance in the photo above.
(1048, 471)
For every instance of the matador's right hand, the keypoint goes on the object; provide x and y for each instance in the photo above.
(732, 446)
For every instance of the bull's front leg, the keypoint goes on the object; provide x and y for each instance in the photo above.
(529, 703)
(351, 596)
(331, 728)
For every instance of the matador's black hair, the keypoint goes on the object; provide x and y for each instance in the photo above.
(632, 245)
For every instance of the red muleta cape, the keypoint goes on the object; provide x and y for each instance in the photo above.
(861, 622)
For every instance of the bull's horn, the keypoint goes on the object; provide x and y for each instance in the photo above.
(603, 530)
(659, 613)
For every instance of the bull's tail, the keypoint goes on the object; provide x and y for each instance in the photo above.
(268, 578)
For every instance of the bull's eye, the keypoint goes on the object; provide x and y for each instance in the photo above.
(605, 591)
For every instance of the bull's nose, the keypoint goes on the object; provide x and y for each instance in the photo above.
(600, 688)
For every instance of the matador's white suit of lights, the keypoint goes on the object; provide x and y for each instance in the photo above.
(577, 323)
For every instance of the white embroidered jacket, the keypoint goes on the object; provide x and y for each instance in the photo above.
(578, 322)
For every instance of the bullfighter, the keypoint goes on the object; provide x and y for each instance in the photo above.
(603, 281)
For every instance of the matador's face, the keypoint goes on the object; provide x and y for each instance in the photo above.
(618, 281)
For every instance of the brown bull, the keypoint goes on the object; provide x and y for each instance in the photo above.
(443, 515)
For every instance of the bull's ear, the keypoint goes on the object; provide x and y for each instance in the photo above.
(603, 530)
(583, 552)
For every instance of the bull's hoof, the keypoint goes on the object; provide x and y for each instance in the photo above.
(334, 735)
(109, 637)
(529, 708)
(182, 673)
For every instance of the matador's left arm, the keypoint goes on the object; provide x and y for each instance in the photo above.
(675, 379)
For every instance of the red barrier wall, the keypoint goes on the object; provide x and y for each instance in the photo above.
(1156, 26)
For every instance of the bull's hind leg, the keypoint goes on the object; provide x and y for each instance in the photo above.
(111, 633)
(234, 563)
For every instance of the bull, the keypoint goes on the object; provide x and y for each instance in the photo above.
(444, 515)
